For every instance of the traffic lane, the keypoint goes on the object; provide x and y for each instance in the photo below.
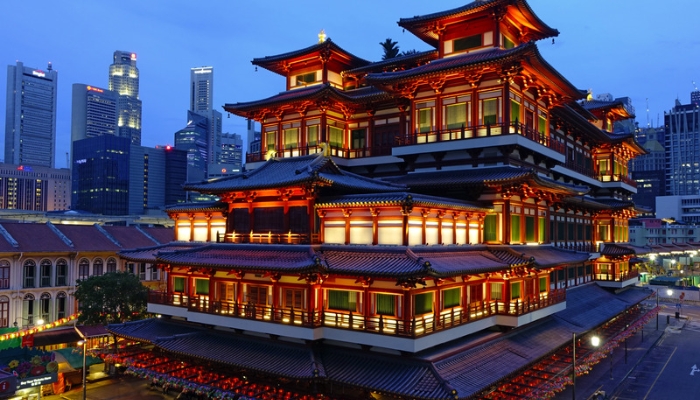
(124, 387)
(680, 377)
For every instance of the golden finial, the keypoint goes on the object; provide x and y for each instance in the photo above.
(322, 36)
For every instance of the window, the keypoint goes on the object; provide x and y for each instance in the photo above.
(541, 124)
(385, 304)
(28, 309)
(515, 228)
(271, 138)
(178, 284)
(45, 307)
(489, 111)
(4, 311)
(424, 303)
(83, 269)
(490, 232)
(45, 273)
(507, 43)
(305, 79)
(98, 267)
(530, 235)
(130, 268)
(543, 284)
(515, 290)
(60, 305)
(291, 138)
(467, 43)
(294, 298)
(342, 300)
(111, 265)
(358, 138)
(154, 273)
(312, 135)
(451, 298)
(201, 286)
(541, 230)
(515, 111)
(61, 272)
(257, 294)
(496, 291)
(29, 274)
(335, 136)
(4, 274)
(425, 119)
(225, 291)
(456, 116)
(476, 293)
(142, 271)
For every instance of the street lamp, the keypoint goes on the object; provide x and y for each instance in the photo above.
(657, 309)
(84, 344)
(595, 341)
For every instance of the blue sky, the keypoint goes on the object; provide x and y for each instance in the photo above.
(644, 49)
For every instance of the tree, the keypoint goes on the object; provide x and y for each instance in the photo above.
(409, 52)
(390, 47)
(111, 298)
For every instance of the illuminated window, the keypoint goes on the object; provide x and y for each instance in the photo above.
(489, 111)
(385, 304)
(425, 119)
(201, 286)
(451, 298)
(466, 43)
(312, 135)
(257, 294)
(496, 291)
(294, 298)
(271, 138)
(515, 290)
(423, 303)
(507, 43)
(490, 228)
(515, 111)
(456, 116)
(178, 284)
(305, 79)
(335, 137)
(291, 138)
(543, 284)
(342, 300)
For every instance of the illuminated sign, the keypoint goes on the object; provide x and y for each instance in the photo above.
(38, 73)
(94, 89)
(37, 380)
(24, 168)
(133, 56)
(202, 71)
(81, 161)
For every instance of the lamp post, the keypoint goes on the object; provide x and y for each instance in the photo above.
(595, 341)
(84, 343)
(657, 309)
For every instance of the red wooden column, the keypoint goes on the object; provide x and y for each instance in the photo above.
(208, 218)
(321, 228)
(506, 221)
(347, 213)
(424, 214)
(375, 224)
(407, 310)
(440, 216)
(191, 218)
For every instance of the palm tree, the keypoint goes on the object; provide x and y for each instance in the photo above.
(390, 47)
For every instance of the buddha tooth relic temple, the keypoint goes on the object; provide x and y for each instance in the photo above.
(432, 226)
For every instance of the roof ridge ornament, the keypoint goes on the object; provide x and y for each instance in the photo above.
(322, 36)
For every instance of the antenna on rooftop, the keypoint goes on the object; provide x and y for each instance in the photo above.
(648, 123)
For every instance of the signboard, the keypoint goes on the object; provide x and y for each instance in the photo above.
(37, 380)
(28, 341)
(8, 385)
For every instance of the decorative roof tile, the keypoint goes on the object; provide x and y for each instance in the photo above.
(194, 207)
(313, 169)
(148, 254)
(272, 63)
(395, 63)
(542, 256)
(615, 250)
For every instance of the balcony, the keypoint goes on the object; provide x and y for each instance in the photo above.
(463, 133)
(417, 326)
(617, 178)
(268, 238)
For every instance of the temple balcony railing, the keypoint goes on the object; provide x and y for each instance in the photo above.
(268, 238)
(415, 327)
(581, 169)
(587, 247)
(432, 136)
(617, 178)
(616, 276)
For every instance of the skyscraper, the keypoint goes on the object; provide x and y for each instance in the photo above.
(201, 89)
(682, 145)
(93, 112)
(30, 117)
(124, 79)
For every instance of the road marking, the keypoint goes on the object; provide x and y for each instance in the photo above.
(660, 372)
(694, 370)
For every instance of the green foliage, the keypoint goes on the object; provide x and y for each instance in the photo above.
(390, 48)
(111, 298)
(409, 52)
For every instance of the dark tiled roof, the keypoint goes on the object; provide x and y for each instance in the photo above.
(203, 206)
(148, 330)
(33, 238)
(148, 254)
(614, 250)
(272, 62)
(398, 198)
(311, 93)
(616, 204)
(445, 261)
(284, 172)
(160, 234)
(89, 238)
(544, 256)
(129, 237)
(421, 25)
(396, 63)
(246, 257)
(401, 376)
(370, 261)
(491, 176)
(288, 360)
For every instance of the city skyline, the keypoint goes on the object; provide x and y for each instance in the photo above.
(606, 47)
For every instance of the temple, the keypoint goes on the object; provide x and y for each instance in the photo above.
(426, 226)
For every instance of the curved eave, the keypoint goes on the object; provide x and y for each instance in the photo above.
(567, 113)
(526, 54)
(197, 207)
(291, 98)
(630, 141)
(519, 10)
(394, 64)
(540, 182)
(399, 199)
(277, 63)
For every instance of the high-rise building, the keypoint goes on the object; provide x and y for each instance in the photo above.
(94, 112)
(201, 89)
(648, 170)
(682, 144)
(124, 79)
(230, 158)
(111, 176)
(30, 117)
(34, 188)
(193, 140)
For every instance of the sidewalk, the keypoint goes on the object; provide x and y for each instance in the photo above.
(611, 372)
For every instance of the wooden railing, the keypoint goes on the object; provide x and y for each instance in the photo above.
(268, 238)
(444, 135)
(388, 325)
(616, 276)
(617, 178)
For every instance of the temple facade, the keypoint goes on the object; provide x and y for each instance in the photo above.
(400, 207)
